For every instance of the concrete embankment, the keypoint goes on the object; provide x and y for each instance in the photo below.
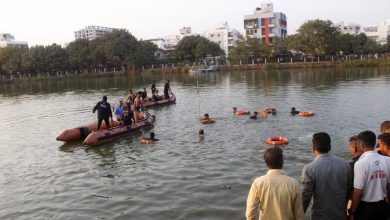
(185, 69)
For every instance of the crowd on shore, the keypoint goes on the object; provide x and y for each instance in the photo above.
(338, 189)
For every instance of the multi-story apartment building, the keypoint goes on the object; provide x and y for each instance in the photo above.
(379, 33)
(351, 28)
(265, 24)
(224, 37)
(167, 44)
(92, 32)
(9, 40)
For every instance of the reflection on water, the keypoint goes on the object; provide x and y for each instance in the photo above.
(183, 176)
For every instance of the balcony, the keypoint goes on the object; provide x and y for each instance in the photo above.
(253, 26)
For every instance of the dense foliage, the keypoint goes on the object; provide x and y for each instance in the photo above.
(195, 48)
(121, 50)
(118, 49)
(313, 38)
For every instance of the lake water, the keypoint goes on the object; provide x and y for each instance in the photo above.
(181, 177)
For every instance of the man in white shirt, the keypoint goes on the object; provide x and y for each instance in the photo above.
(276, 195)
(371, 181)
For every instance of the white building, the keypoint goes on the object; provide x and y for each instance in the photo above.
(185, 31)
(167, 44)
(224, 37)
(351, 28)
(92, 32)
(165, 47)
(379, 33)
(265, 24)
(9, 40)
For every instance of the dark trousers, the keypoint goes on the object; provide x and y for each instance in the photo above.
(371, 211)
(100, 120)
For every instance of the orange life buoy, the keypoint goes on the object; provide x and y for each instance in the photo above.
(147, 141)
(269, 110)
(242, 112)
(306, 114)
(277, 141)
(208, 121)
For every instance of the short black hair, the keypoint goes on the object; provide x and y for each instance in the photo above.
(206, 115)
(105, 98)
(293, 108)
(385, 126)
(201, 131)
(367, 138)
(353, 138)
(273, 158)
(385, 138)
(322, 142)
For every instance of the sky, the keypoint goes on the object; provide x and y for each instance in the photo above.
(45, 22)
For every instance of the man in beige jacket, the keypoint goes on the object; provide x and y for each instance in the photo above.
(276, 195)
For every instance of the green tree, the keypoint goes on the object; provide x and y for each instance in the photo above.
(344, 44)
(56, 58)
(317, 37)
(194, 48)
(144, 54)
(250, 49)
(117, 46)
(79, 54)
(11, 59)
(35, 60)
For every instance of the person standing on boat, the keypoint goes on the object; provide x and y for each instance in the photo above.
(167, 89)
(104, 112)
(118, 111)
(153, 87)
(137, 107)
(144, 95)
(130, 99)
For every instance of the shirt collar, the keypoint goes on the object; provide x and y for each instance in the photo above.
(356, 158)
(275, 172)
(368, 153)
(323, 155)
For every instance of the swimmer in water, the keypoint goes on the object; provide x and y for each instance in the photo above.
(254, 116)
(293, 111)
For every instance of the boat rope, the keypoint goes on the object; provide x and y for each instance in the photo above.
(197, 89)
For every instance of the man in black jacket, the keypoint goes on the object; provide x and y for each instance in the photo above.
(104, 112)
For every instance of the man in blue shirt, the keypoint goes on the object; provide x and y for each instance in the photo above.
(119, 111)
